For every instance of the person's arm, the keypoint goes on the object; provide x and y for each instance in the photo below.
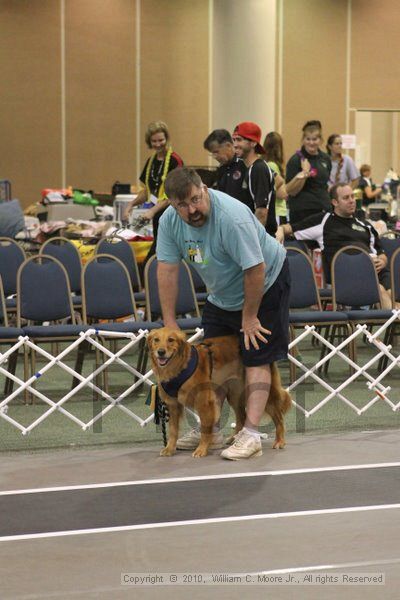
(151, 212)
(252, 329)
(262, 188)
(167, 277)
(296, 184)
(370, 193)
(140, 199)
(262, 214)
(283, 232)
(280, 188)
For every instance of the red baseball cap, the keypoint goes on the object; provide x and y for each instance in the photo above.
(250, 131)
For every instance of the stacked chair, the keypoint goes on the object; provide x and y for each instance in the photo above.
(305, 303)
(187, 308)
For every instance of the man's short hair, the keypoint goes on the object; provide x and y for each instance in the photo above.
(179, 182)
(333, 192)
(218, 136)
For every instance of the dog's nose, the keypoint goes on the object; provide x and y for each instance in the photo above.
(161, 352)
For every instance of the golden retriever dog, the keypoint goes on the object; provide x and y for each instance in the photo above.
(217, 372)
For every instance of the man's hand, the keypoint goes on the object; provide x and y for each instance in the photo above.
(280, 234)
(253, 331)
(380, 262)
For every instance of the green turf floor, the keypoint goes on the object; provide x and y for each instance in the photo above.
(58, 431)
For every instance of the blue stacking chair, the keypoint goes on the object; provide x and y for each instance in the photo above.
(389, 245)
(44, 296)
(120, 248)
(355, 285)
(305, 303)
(63, 250)
(8, 336)
(187, 308)
(107, 295)
(395, 290)
(11, 258)
(395, 276)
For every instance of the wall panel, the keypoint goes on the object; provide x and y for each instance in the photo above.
(244, 63)
(375, 54)
(314, 67)
(174, 73)
(30, 112)
(100, 92)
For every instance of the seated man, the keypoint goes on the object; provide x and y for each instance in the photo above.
(341, 228)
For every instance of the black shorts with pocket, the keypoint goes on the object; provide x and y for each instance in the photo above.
(273, 315)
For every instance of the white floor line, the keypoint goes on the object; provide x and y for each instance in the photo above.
(305, 513)
(348, 565)
(112, 484)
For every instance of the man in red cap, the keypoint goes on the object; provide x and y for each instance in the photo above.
(258, 185)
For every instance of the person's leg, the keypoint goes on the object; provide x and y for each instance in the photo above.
(273, 315)
(258, 384)
(215, 322)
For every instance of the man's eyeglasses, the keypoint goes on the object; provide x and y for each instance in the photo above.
(186, 204)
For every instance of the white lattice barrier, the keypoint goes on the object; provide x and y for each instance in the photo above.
(94, 338)
(374, 382)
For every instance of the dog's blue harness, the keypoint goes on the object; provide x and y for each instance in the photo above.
(172, 386)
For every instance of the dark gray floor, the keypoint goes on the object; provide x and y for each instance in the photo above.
(88, 566)
(70, 510)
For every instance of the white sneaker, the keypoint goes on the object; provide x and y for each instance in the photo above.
(244, 446)
(191, 440)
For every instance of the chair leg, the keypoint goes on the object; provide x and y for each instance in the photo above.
(12, 367)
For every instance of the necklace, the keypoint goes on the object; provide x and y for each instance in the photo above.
(158, 175)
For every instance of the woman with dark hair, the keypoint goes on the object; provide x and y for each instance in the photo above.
(369, 190)
(158, 165)
(343, 168)
(273, 146)
(307, 175)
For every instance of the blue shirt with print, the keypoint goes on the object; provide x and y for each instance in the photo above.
(231, 241)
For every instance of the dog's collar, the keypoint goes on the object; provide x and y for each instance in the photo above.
(172, 386)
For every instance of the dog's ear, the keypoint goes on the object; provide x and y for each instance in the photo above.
(150, 338)
(181, 338)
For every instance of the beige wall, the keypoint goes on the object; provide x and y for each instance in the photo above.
(82, 78)
(314, 67)
(243, 84)
(174, 72)
(375, 64)
(30, 111)
(100, 92)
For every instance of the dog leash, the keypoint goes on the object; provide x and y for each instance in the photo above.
(160, 410)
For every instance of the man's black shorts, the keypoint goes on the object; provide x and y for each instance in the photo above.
(273, 315)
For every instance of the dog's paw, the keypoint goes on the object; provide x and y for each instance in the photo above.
(199, 452)
(167, 451)
(279, 444)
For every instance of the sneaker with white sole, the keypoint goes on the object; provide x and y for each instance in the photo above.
(244, 446)
(191, 440)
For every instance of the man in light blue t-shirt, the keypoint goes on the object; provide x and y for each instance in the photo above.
(247, 276)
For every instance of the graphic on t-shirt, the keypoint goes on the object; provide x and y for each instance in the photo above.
(194, 252)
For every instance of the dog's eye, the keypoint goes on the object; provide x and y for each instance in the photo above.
(156, 339)
(171, 340)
